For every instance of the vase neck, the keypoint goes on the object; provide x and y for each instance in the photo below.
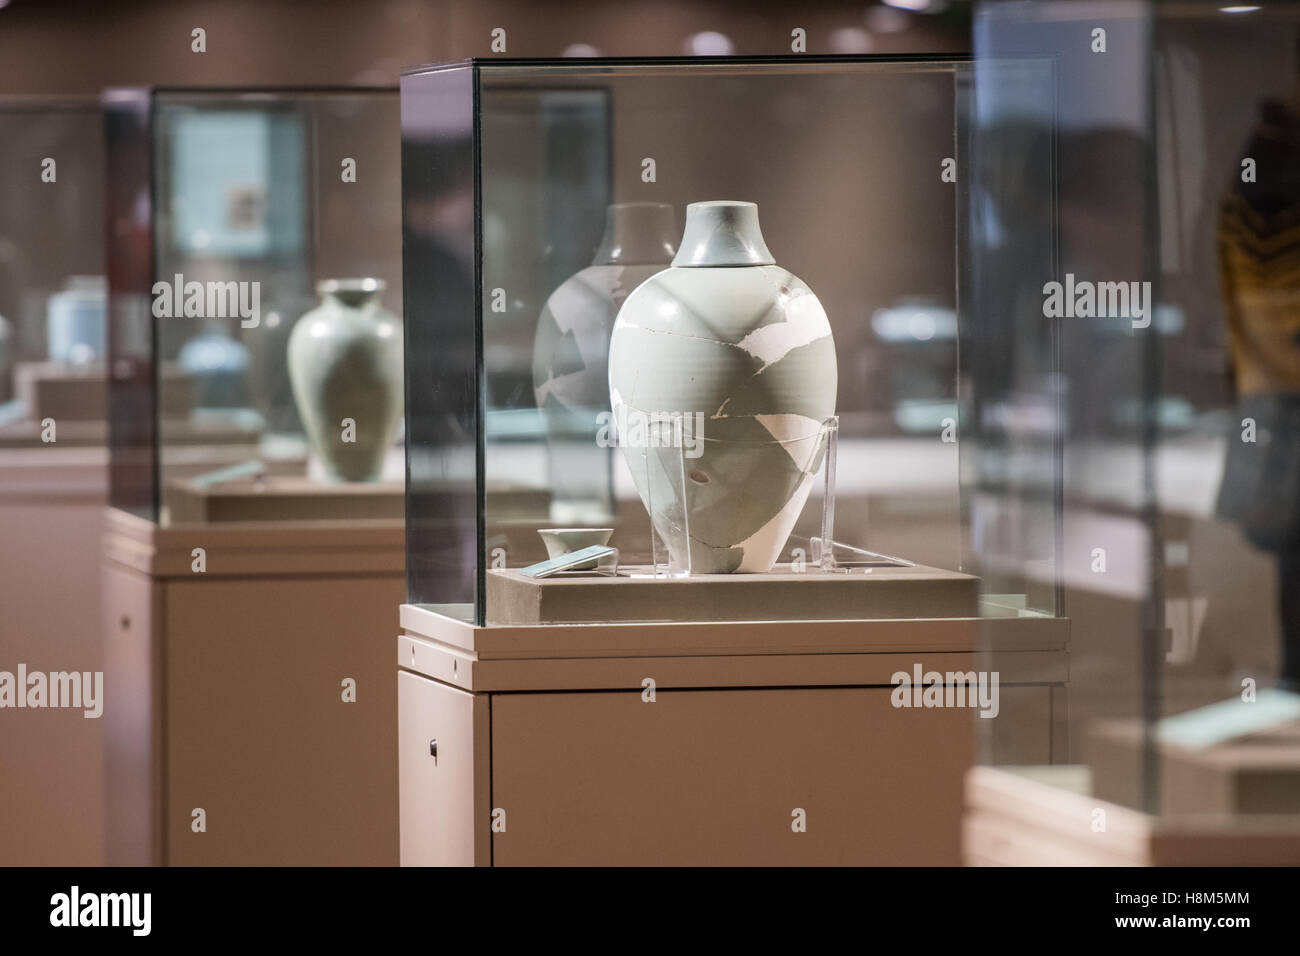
(636, 234)
(722, 233)
(352, 293)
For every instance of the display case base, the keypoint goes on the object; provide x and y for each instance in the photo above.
(713, 743)
(635, 594)
(254, 685)
(284, 498)
(80, 393)
(52, 500)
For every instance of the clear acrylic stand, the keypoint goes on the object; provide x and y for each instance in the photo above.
(824, 557)
(823, 548)
(607, 564)
(666, 495)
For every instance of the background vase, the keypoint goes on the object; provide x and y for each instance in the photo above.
(218, 367)
(345, 362)
(571, 356)
(740, 352)
(76, 321)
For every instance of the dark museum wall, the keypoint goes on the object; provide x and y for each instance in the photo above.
(81, 46)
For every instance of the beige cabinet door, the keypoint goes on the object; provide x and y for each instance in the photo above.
(288, 765)
(442, 770)
(772, 776)
(51, 760)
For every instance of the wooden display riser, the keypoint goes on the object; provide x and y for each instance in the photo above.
(634, 594)
(226, 692)
(80, 393)
(548, 731)
(1046, 816)
(286, 498)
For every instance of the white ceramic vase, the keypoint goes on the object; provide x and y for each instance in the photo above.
(728, 359)
(345, 365)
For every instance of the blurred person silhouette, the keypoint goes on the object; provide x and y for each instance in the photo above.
(1259, 259)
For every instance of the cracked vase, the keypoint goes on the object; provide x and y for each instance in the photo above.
(345, 366)
(722, 375)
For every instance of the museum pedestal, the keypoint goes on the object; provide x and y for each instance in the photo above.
(701, 743)
(1047, 816)
(225, 692)
(51, 798)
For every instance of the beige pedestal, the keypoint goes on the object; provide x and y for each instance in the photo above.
(284, 498)
(634, 594)
(1257, 773)
(71, 393)
(1047, 816)
(225, 692)
(51, 768)
(703, 743)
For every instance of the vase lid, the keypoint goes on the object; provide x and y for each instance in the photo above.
(637, 234)
(722, 233)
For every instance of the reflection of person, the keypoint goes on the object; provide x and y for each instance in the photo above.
(1259, 252)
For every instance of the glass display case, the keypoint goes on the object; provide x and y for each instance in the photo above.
(255, 295)
(1170, 297)
(52, 296)
(718, 320)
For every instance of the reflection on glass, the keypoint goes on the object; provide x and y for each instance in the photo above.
(1259, 251)
(1178, 194)
(571, 357)
(52, 296)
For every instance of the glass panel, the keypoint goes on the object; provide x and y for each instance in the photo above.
(52, 303)
(443, 491)
(133, 478)
(255, 210)
(1225, 459)
(1009, 355)
(1177, 326)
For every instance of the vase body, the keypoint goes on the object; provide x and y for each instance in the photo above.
(571, 356)
(345, 366)
(722, 374)
(218, 367)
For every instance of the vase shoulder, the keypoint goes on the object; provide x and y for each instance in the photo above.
(726, 305)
